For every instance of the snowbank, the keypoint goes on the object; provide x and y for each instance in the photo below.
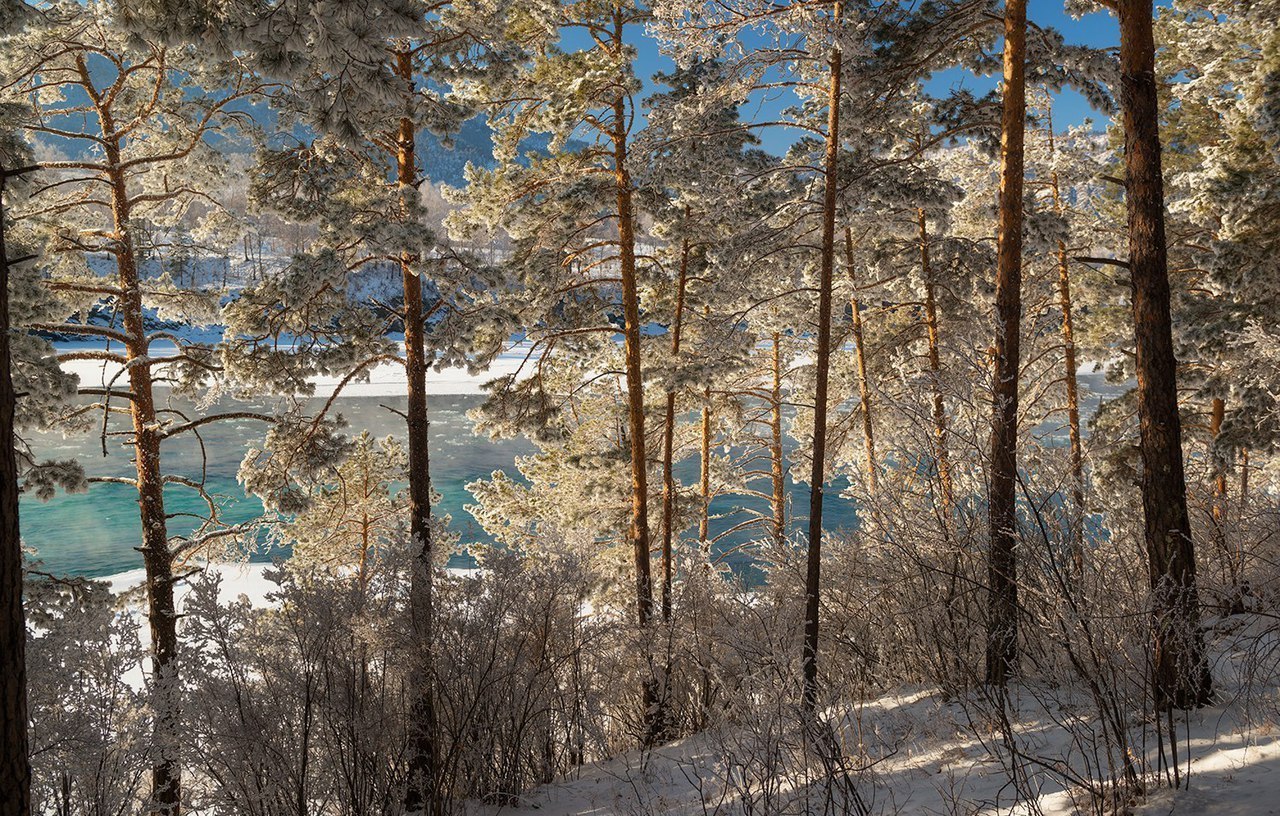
(385, 380)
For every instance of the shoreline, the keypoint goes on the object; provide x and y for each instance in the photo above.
(382, 380)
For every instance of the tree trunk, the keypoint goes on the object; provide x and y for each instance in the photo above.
(704, 471)
(777, 466)
(864, 386)
(1077, 514)
(1217, 413)
(1218, 509)
(639, 533)
(423, 794)
(1244, 477)
(15, 768)
(166, 782)
(935, 373)
(817, 477)
(1180, 671)
(668, 437)
(1002, 564)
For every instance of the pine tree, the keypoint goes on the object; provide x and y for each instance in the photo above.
(15, 768)
(140, 131)
(553, 206)
(1180, 674)
(1002, 634)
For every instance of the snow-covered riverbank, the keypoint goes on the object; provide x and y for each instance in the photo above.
(383, 380)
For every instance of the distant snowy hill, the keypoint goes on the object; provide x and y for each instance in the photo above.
(446, 165)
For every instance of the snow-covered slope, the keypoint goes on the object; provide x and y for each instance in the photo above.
(927, 755)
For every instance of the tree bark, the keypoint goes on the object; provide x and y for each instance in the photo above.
(1218, 509)
(777, 465)
(639, 533)
(817, 476)
(704, 471)
(1077, 510)
(668, 436)
(1002, 565)
(15, 767)
(1217, 413)
(423, 793)
(162, 617)
(1180, 670)
(864, 386)
(940, 431)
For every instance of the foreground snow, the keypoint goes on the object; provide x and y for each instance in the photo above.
(925, 754)
(924, 757)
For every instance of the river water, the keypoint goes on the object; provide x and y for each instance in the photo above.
(96, 533)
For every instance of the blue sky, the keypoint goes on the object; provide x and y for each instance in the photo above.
(1098, 29)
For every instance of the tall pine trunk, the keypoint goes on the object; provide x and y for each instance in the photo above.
(423, 793)
(777, 464)
(1180, 670)
(669, 435)
(941, 457)
(822, 366)
(1069, 364)
(162, 617)
(1002, 564)
(1218, 506)
(704, 471)
(864, 387)
(1218, 509)
(15, 768)
(639, 532)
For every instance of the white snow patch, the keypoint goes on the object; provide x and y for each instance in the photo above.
(384, 380)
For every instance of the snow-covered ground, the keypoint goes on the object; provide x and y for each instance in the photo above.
(917, 751)
(928, 761)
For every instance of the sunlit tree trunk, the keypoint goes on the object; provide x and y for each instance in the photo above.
(162, 617)
(860, 356)
(1002, 564)
(1180, 670)
(817, 477)
(1218, 507)
(941, 457)
(639, 533)
(704, 470)
(777, 464)
(669, 434)
(1069, 364)
(423, 794)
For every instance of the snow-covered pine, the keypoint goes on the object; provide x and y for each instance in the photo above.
(127, 155)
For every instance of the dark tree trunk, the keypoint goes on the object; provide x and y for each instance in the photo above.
(1180, 670)
(1002, 565)
(423, 793)
(15, 768)
(817, 476)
